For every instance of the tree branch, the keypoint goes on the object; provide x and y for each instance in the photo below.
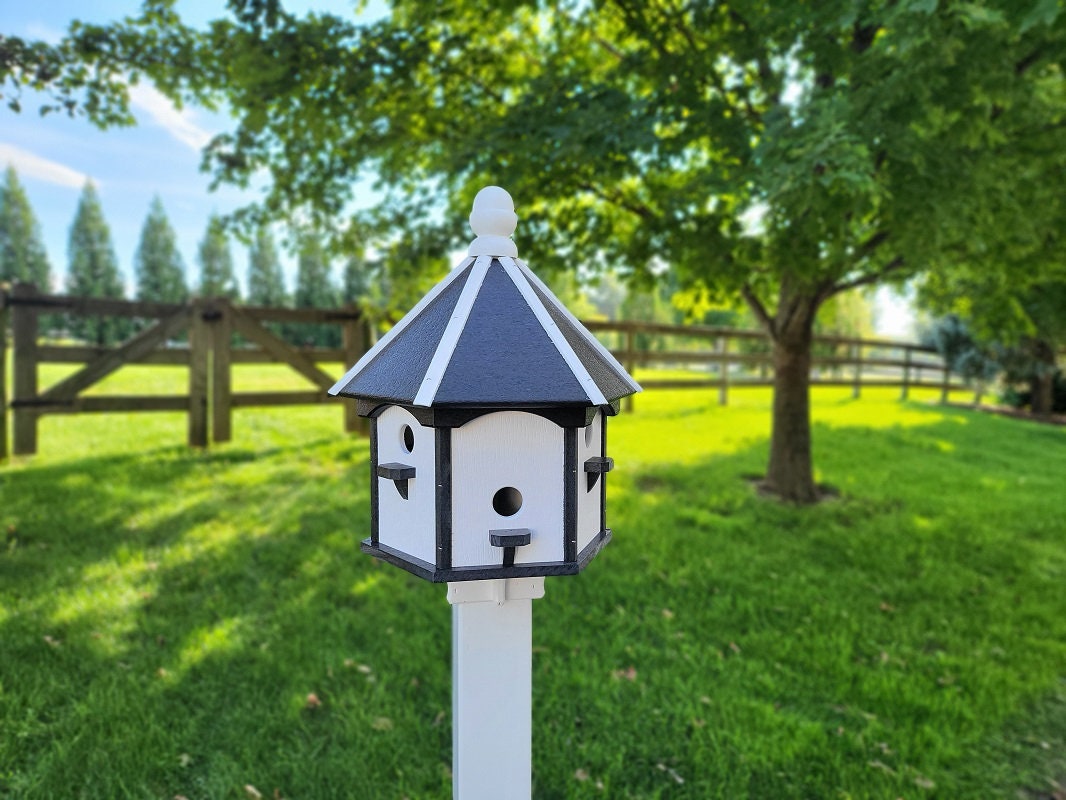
(757, 307)
(867, 248)
(1027, 62)
(786, 313)
(639, 209)
(895, 265)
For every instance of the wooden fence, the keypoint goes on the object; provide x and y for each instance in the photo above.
(209, 354)
(728, 358)
(698, 357)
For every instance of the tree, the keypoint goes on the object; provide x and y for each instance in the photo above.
(216, 262)
(964, 355)
(157, 264)
(1044, 305)
(404, 269)
(314, 289)
(784, 153)
(266, 283)
(22, 253)
(93, 269)
(1020, 320)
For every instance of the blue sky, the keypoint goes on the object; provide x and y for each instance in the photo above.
(55, 155)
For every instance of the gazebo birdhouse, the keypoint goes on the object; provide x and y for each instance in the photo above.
(488, 404)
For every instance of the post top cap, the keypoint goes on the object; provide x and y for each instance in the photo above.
(493, 220)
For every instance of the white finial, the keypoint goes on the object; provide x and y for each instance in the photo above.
(493, 220)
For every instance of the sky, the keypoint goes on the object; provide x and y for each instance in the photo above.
(55, 155)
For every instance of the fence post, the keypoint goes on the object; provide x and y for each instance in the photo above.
(906, 372)
(199, 345)
(856, 388)
(722, 346)
(3, 373)
(221, 372)
(944, 386)
(24, 330)
(630, 364)
(356, 335)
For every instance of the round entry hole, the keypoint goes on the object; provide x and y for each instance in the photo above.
(507, 501)
(408, 437)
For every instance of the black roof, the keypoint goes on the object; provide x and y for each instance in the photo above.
(489, 334)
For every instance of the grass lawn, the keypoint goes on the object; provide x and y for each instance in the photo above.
(177, 623)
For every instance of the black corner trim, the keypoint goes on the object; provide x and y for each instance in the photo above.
(443, 455)
(569, 494)
(603, 483)
(373, 481)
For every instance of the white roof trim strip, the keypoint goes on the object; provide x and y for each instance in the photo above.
(592, 340)
(407, 319)
(556, 335)
(427, 390)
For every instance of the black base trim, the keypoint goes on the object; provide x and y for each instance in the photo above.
(423, 569)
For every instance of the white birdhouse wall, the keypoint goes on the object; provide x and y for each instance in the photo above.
(507, 474)
(407, 524)
(589, 485)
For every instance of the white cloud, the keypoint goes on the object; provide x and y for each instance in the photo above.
(178, 124)
(32, 165)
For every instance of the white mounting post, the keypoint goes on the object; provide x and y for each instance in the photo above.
(492, 684)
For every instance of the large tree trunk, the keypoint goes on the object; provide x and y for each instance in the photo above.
(1042, 384)
(1041, 388)
(790, 472)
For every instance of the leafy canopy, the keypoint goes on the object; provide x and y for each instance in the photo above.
(743, 144)
(783, 152)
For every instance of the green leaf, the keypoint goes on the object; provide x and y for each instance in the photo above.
(1044, 12)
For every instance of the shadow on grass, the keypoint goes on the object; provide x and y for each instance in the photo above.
(178, 623)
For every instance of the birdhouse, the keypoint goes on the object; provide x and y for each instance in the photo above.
(488, 406)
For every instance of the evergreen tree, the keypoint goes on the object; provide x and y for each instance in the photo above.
(93, 268)
(22, 253)
(216, 263)
(314, 289)
(158, 265)
(266, 284)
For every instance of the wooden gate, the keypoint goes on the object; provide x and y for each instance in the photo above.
(210, 325)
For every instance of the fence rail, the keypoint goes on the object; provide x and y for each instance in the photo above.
(731, 358)
(210, 326)
(725, 359)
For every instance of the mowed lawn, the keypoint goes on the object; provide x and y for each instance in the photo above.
(202, 625)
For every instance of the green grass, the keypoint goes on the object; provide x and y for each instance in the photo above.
(164, 614)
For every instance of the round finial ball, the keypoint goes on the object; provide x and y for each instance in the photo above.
(493, 213)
